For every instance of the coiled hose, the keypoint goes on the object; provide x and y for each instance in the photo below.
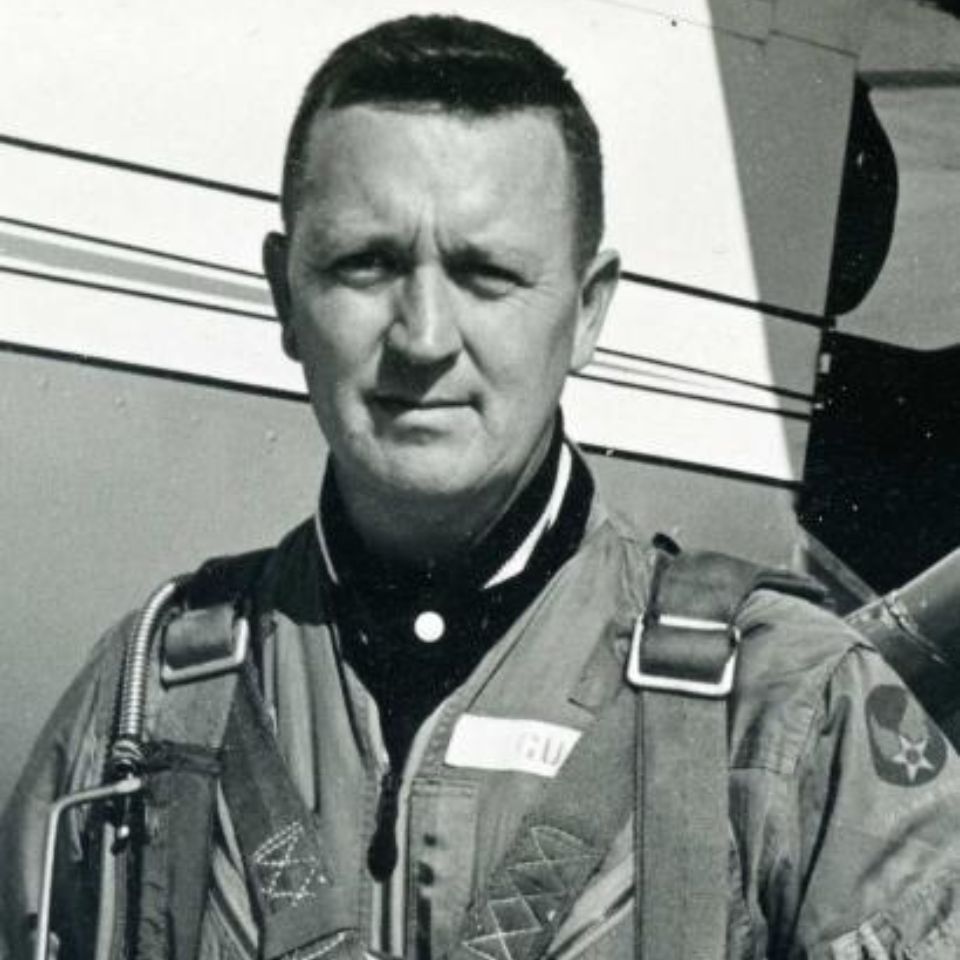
(126, 753)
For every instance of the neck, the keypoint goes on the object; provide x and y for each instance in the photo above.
(426, 531)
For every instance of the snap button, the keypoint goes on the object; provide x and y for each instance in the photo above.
(429, 626)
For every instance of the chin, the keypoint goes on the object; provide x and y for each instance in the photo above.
(427, 484)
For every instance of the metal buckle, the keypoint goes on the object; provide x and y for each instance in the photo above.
(171, 675)
(714, 689)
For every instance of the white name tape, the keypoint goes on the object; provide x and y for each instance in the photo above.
(523, 746)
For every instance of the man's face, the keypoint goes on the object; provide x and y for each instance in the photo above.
(430, 290)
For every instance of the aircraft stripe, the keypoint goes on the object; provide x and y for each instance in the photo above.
(758, 306)
(698, 383)
(129, 247)
(132, 292)
(129, 166)
(655, 361)
(158, 373)
(793, 414)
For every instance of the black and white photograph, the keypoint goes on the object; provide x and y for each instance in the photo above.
(479, 480)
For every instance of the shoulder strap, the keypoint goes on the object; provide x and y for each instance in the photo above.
(204, 640)
(682, 662)
(222, 720)
(211, 633)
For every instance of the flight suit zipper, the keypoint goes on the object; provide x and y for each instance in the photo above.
(382, 853)
(388, 933)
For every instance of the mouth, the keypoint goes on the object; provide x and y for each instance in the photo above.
(399, 404)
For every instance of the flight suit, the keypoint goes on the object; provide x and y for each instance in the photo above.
(844, 812)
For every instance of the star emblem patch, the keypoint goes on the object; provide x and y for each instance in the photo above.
(908, 750)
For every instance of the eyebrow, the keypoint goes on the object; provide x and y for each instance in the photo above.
(361, 232)
(494, 253)
(326, 235)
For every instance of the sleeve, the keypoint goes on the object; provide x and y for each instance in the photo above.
(67, 756)
(871, 818)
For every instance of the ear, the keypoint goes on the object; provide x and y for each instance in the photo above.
(275, 267)
(596, 291)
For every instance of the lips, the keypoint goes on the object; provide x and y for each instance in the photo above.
(399, 403)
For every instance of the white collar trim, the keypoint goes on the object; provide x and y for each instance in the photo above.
(516, 563)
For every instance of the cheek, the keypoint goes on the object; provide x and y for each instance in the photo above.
(528, 382)
(338, 340)
(537, 354)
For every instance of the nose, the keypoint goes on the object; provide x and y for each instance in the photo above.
(425, 328)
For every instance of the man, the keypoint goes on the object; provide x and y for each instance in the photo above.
(413, 759)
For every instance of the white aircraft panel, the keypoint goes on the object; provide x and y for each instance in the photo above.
(719, 338)
(727, 438)
(145, 333)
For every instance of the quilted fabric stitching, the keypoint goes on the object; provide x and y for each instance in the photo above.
(277, 861)
(494, 942)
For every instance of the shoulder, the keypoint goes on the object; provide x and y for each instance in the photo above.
(781, 631)
(844, 792)
(70, 749)
(796, 660)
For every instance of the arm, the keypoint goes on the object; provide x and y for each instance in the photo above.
(67, 756)
(852, 845)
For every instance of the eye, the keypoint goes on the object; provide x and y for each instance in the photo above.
(487, 279)
(365, 268)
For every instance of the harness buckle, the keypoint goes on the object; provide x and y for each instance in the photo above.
(672, 683)
(233, 659)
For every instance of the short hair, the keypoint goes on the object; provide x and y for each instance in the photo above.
(459, 65)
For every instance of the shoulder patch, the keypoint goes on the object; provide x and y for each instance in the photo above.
(908, 750)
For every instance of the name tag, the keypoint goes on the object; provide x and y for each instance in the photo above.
(522, 746)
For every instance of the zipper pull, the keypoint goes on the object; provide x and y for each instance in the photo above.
(382, 852)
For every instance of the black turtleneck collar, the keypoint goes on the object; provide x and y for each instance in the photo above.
(390, 581)
(413, 636)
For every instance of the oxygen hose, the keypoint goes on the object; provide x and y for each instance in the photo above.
(126, 753)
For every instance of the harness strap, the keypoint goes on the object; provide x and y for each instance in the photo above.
(296, 898)
(171, 863)
(167, 865)
(172, 860)
(679, 792)
(217, 733)
(682, 661)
